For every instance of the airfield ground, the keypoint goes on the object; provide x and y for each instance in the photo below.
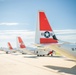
(18, 64)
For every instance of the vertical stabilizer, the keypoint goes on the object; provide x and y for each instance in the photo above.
(44, 32)
(9, 45)
(21, 43)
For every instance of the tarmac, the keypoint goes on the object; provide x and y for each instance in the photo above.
(18, 64)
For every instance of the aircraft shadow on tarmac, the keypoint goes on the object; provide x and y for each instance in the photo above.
(43, 56)
(63, 69)
(67, 59)
(56, 56)
(70, 60)
(30, 57)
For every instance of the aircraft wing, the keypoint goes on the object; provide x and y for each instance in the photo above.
(63, 52)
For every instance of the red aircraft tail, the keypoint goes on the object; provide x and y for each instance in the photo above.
(44, 32)
(21, 43)
(9, 45)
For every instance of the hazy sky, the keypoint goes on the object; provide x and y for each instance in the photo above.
(19, 18)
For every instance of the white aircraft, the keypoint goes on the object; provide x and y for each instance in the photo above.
(21, 46)
(46, 37)
(10, 49)
(1, 49)
(39, 51)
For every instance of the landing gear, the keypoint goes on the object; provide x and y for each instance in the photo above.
(40, 55)
(14, 52)
(51, 54)
(23, 53)
(43, 55)
(37, 55)
(7, 52)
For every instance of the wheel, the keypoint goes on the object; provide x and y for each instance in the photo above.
(43, 55)
(23, 53)
(14, 52)
(6, 52)
(40, 55)
(37, 55)
(51, 54)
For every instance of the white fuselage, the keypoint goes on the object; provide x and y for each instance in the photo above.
(10, 51)
(25, 51)
(38, 51)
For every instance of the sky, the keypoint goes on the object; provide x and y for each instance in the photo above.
(19, 18)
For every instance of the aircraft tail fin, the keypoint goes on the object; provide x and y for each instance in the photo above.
(9, 45)
(44, 32)
(21, 43)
